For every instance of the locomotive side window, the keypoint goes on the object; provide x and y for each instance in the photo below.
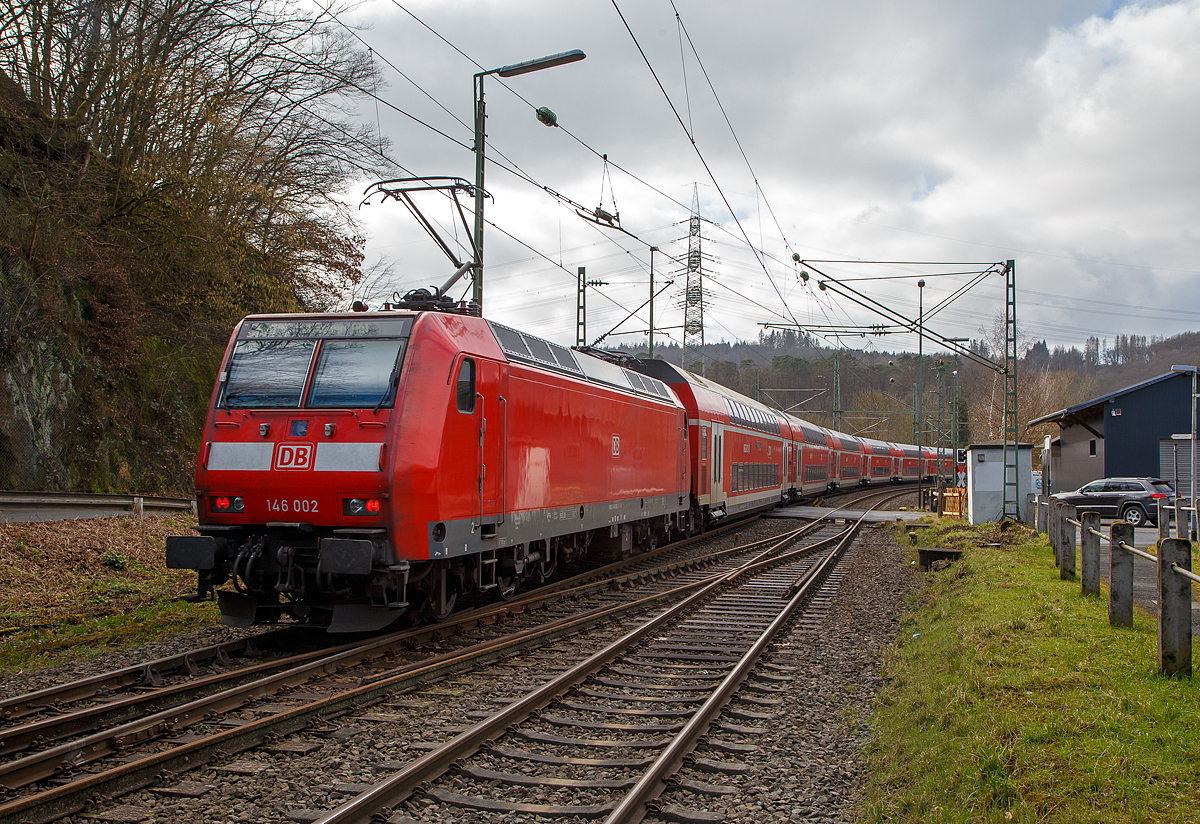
(355, 373)
(466, 386)
(267, 373)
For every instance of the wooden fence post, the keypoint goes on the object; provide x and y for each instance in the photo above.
(1174, 608)
(1066, 567)
(1120, 576)
(1164, 519)
(1089, 552)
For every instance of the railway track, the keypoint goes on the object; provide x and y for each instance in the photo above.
(633, 712)
(59, 756)
(66, 733)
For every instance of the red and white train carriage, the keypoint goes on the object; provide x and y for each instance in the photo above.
(357, 467)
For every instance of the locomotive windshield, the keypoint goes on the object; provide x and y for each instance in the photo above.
(354, 373)
(354, 363)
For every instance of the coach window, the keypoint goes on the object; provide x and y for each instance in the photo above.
(704, 443)
(466, 386)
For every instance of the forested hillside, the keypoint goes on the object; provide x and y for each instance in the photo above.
(165, 168)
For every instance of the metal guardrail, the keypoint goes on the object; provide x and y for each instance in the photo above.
(64, 506)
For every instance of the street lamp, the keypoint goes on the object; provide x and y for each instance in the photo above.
(920, 390)
(653, 249)
(1192, 473)
(543, 114)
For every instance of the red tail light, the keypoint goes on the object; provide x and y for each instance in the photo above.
(361, 506)
(227, 504)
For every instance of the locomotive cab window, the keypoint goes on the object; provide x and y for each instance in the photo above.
(466, 386)
(267, 373)
(355, 373)
(357, 363)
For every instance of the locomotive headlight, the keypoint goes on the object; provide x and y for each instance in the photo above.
(228, 504)
(361, 506)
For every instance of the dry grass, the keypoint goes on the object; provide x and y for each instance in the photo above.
(74, 587)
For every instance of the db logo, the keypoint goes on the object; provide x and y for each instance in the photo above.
(293, 456)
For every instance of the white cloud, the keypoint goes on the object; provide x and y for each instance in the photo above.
(1056, 133)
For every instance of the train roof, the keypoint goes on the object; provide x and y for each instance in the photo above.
(741, 410)
(534, 351)
(517, 346)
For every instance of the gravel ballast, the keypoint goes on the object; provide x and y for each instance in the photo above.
(808, 766)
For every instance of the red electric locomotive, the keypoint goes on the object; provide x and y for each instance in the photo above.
(356, 467)
(359, 467)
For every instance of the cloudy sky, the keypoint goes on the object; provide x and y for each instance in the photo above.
(1063, 134)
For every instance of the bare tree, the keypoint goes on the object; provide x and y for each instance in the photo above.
(237, 108)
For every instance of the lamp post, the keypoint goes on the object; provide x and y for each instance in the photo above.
(544, 115)
(1192, 472)
(920, 391)
(653, 249)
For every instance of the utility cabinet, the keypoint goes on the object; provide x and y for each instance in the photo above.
(985, 480)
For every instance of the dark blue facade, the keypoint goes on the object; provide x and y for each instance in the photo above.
(1118, 434)
(1136, 418)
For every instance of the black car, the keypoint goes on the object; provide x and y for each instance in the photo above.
(1133, 499)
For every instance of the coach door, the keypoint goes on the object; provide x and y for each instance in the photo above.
(493, 414)
(716, 461)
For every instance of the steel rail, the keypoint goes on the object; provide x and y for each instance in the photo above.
(401, 784)
(634, 806)
(52, 698)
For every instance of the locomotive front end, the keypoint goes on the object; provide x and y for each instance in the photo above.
(292, 478)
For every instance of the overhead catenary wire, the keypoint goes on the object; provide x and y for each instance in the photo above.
(1043, 326)
(759, 254)
(703, 161)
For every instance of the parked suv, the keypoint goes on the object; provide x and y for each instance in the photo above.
(1133, 499)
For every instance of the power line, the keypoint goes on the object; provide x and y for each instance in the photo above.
(700, 155)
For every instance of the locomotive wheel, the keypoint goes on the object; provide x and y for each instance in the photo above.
(506, 588)
(451, 603)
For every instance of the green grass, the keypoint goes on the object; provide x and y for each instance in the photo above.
(1011, 699)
